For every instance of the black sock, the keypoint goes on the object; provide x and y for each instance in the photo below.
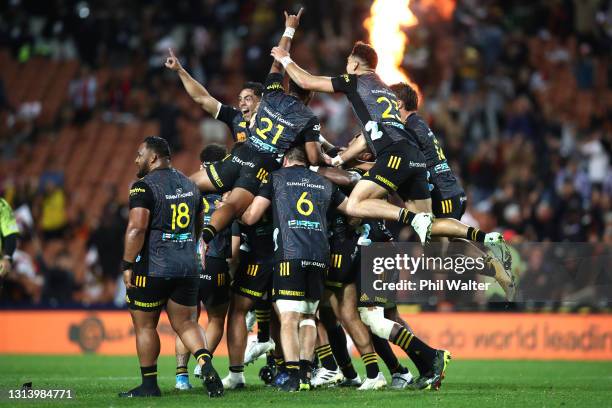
(348, 371)
(411, 343)
(405, 216)
(305, 369)
(149, 376)
(370, 360)
(337, 342)
(293, 368)
(270, 360)
(182, 370)
(208, 233)
(204, 355)
(476, 235)
(383, 349)
(326, 357)
(237, 369)
(419, 363)
(263, 324)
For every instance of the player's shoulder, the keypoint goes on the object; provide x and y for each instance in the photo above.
(417, 124)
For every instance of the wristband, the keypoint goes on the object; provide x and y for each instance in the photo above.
(125, 265)
(289, 32)
(314, 168)
(337, 161)
(286, 61)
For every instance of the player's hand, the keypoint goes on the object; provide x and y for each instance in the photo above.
(127, 278)
(278, 53)
(5, 267)
(292, 20)
(172, 62)
(327, 159)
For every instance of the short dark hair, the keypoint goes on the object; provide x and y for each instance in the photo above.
(212, 152)
(296, 154)
(407, 95)
(256, 87)
(303, 94)
(366, 53)
(159, 145)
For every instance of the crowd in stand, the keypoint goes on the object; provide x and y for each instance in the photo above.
(519, 94)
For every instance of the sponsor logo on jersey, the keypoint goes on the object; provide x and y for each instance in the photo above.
(136, 190)
(243, 162)
(305, 183)
(178, 195)
(215, 175)
(275, 85)
(418, 164)
(303, 224)
(441, 168)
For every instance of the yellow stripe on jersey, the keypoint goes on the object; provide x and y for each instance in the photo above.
(394, 162)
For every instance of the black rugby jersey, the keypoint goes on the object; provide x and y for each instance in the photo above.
(376, 107)
(174, 202)
(258, 239)
(221, 244)
(282, 121)
(233, 118)
(340, 230)
(301, 200)
(440, 173)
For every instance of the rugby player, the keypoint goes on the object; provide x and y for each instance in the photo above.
(302, 199)
(236, 119)
(9, 231)
(346, 272)
(214, 276)
(400, 166)
(448, 199)
(160, 264)
(252, 286)
(282, 121)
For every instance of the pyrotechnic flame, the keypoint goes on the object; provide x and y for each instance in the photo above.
(386, 24)
(386, 36)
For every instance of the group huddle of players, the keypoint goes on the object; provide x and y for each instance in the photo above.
(279, 222)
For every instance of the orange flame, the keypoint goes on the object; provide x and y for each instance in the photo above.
(386, 36)
(386, 25)
(444, 8)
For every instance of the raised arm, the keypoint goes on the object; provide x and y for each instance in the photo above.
(301, 77)
(291, 23)
(255, 210)
(197, 92)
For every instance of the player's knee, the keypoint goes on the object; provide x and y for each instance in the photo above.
(375, 320)
(285, 307)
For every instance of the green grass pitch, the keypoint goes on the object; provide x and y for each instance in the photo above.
(97, 379)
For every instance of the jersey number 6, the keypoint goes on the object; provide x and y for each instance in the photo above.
(304, 202)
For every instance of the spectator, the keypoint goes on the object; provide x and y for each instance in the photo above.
(53, 219)
(83, 94)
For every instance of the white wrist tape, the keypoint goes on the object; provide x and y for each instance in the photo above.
(289, 32)
(337, 161)
(286, 61)
(314, 168)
